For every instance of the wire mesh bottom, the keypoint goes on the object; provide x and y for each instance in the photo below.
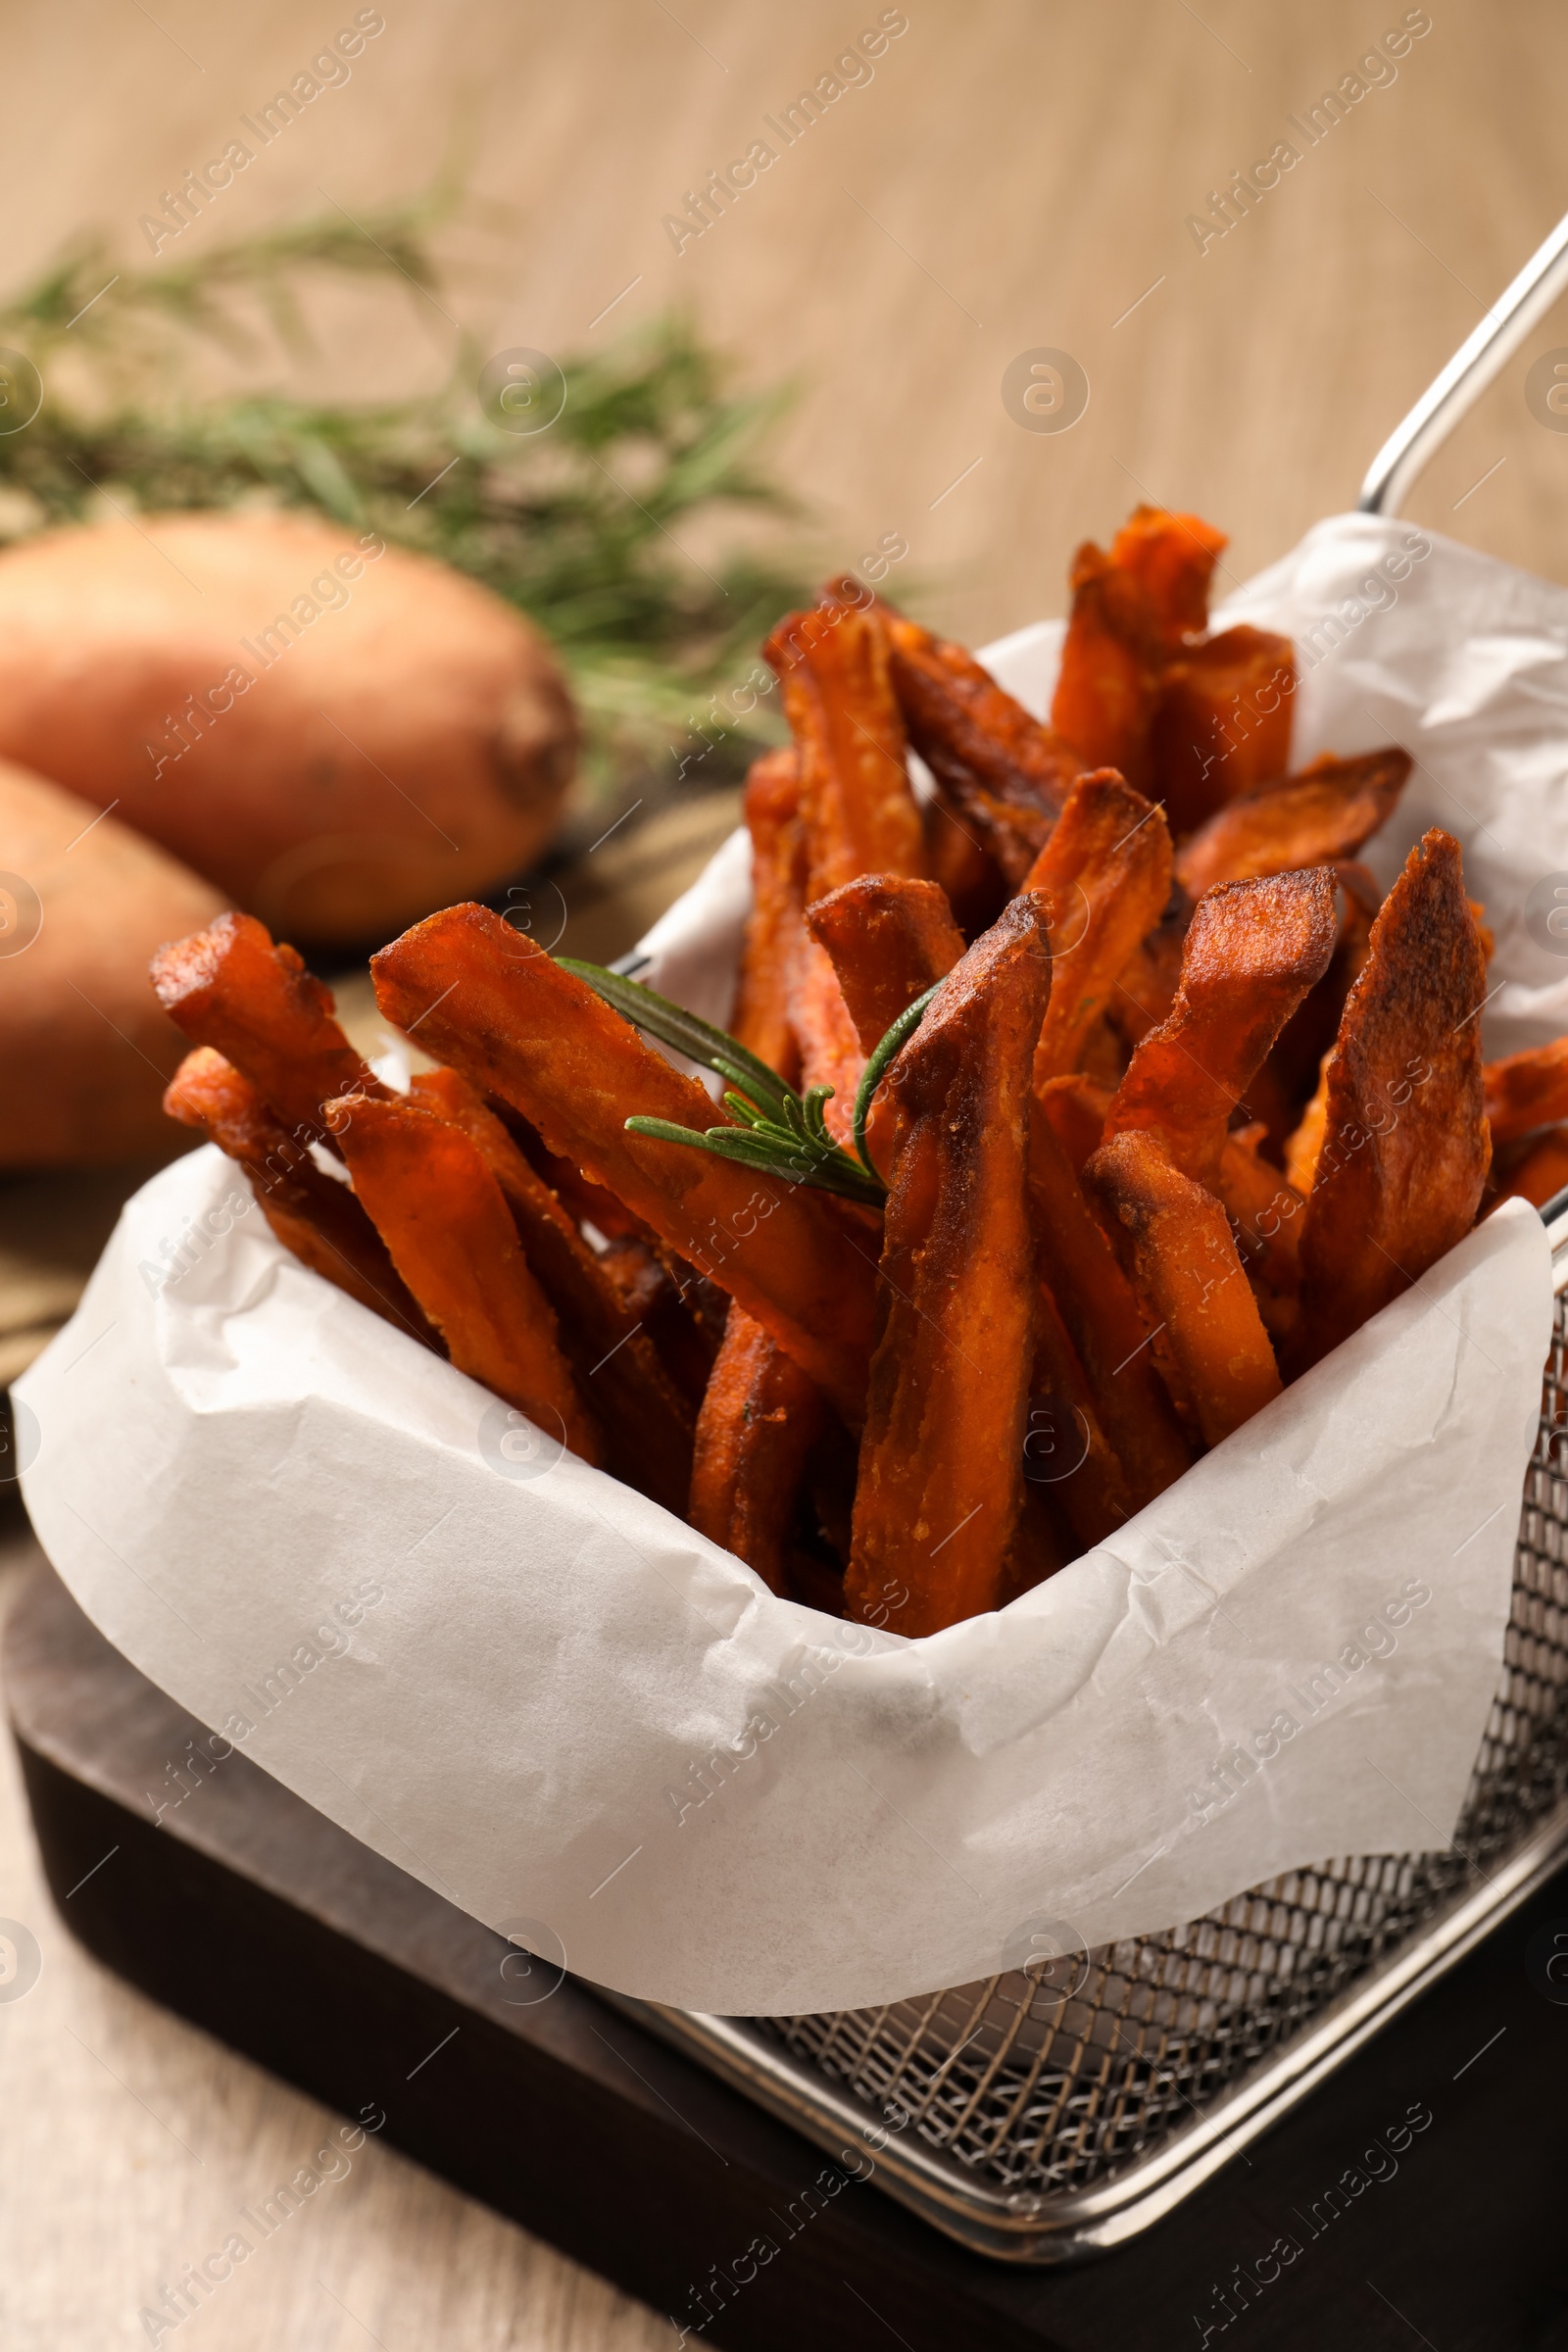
(1038, 2085)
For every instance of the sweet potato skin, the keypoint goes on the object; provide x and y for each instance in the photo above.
(1406, 1149)
(517, 1026)
(85, 1049)
(941, 1475)
(401, 739)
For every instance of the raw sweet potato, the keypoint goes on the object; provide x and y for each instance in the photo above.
(1406, 1151)
(85, 1049)
(520, 1027)
(941, 1475)
(339, 735)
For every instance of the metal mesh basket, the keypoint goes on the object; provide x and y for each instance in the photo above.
(1052, 2112)
(1038, 2119)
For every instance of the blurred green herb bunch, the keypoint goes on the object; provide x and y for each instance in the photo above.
(587, 526)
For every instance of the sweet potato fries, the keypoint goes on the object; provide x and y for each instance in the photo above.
(1068, 1111)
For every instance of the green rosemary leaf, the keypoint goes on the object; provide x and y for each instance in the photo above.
(832, 1171)
(697, 1039)
(882, 1053)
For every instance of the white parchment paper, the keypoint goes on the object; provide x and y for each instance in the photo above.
(550, 1699)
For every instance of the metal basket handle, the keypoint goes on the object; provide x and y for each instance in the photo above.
(1480, 357)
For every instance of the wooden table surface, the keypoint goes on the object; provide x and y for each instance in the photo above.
(1012, 178)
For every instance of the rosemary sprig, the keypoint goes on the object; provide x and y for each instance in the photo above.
(882, 1053)
(546, 521)
(776, 1131)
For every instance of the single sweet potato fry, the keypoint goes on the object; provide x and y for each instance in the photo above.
(941, 1474)
(889, 938)
(521, 1028)
(1253, 950)
(588, 1202)
(761, 1016)
(1540, 1172)
(315, 1216)
(1168, 560)
(446, 1223)
(1266, 1214)
(1064, 1446)
(230, 988)
(1106, 872)
(1133, 612)
(1304, 1143)
(1147, 984)
(829, 1050)
(1527, 1089)
(646, 1420)
(761, 1419)
(1285, 1084)
(1004, 775)
(1076, 1109)
(1406, 1151)
(856, 798)
(1323, 814)
(1175, 1244)
(960, 863)
(1108, 1328)
(1223, 723)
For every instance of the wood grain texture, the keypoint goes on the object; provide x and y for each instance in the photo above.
(1012, 177)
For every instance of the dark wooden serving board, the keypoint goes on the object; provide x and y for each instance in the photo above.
(253, 1916)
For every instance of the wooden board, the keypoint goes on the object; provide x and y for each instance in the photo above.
(262, 1922)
